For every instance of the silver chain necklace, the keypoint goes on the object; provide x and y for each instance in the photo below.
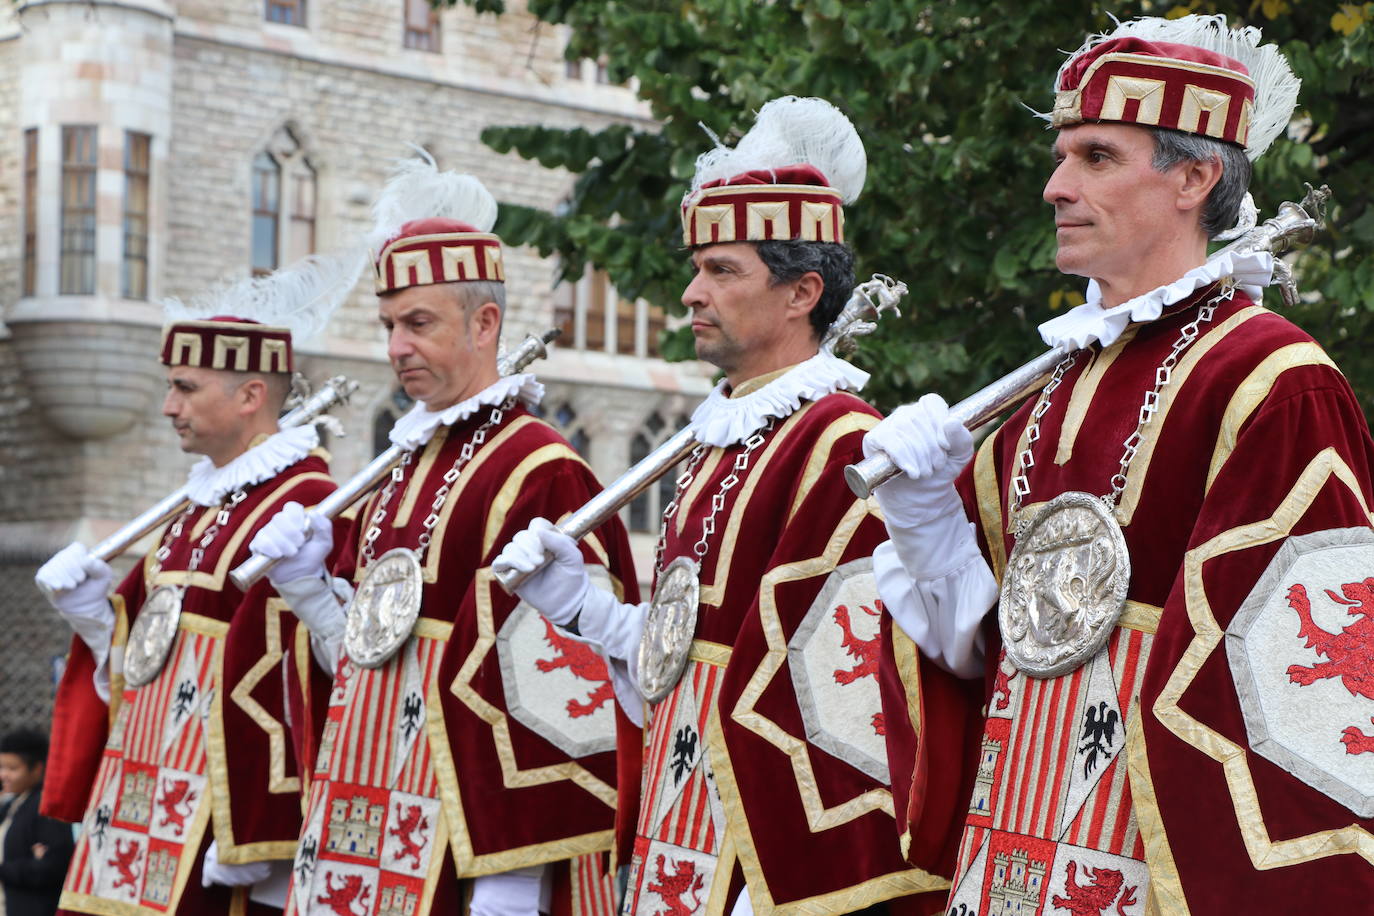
(1069, 571)
(671, 622)
(465, 454)
(153, 633)
(387, 603)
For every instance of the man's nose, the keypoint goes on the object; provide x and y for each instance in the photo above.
(1060, 188)
(398, 344)
(692, 296)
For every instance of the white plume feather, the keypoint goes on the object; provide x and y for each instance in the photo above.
(1276, 88)
(418, 190)
(301, 297)
(792, 131)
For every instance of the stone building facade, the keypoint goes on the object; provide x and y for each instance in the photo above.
(151, 148)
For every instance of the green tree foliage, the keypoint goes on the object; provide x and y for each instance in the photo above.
(939, 90)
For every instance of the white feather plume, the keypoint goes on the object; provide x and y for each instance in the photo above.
(792, 131)
(301, 297)
(1276, 88)
(418, 190)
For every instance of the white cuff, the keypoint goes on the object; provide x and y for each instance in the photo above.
(319, 603)
(615, 629)
(942, 614)
(520, 892)
(271, 891)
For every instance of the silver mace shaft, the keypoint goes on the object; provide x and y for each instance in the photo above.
(859, 316)
(1295, 224)
(247, 573)
(333, 392)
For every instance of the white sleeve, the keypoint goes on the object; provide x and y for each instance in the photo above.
(615, 629)
(941, 610)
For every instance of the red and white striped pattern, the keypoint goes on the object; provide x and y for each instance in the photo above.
(592, 891)
(146, 717)
(688, 822)
(150, 705)
(367, 749)
(1046, 724)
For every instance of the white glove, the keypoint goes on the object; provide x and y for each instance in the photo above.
(212, 872)
(511, 893)
(78, 587)
(562, 592)
(559, 589)
(298, 540)
(931, 449)
(319, 603)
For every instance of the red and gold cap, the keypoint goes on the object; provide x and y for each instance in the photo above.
(788, 203)
(1191, 74)
(788, 178)
(433, 227)
(437, 250)
(225, 342)
(1157, 84)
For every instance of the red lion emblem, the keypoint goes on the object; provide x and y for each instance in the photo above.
(176, 804)
(412, 822)
(864, 650)
(124, 861)
(340, 898)
(683, 880)
(1349, 653)
(582, 660)
(1093, 899)
(1001, 687)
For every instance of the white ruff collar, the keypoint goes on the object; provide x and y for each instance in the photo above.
(721, 420)
(207, 485)
(1090, 322)
(416, 427)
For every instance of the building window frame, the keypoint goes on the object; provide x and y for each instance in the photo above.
(594, 316)
(420, 29)
(138, 171)
(29, 268)
(80, 164)
(266, 214)
(285, 12)
(284, 204)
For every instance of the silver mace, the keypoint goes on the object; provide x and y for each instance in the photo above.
(1295, 224)
(254, 568)
(866, 305)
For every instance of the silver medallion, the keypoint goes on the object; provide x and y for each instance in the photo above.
(1065, 585)
(151, 637)
(384, 609)
(669, 628)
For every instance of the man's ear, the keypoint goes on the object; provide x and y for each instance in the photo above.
(485, 325)
(252, 395)
(1197, 179)
(806, 292)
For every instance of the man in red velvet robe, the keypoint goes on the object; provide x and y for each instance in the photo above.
(170, 739)
(765, 777)
(1222, 467)
(470, 740)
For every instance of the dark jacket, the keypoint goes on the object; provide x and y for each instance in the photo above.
(31, 885)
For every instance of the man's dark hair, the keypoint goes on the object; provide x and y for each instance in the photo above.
(834, 261)
(1219, 212)
(28, 744)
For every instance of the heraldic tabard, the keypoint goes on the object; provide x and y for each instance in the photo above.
(1089, 783)
(486, 743)
(768, 758)
(204, 743)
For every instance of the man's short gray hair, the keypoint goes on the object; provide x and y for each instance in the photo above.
(1223, 203)
(473, 293)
